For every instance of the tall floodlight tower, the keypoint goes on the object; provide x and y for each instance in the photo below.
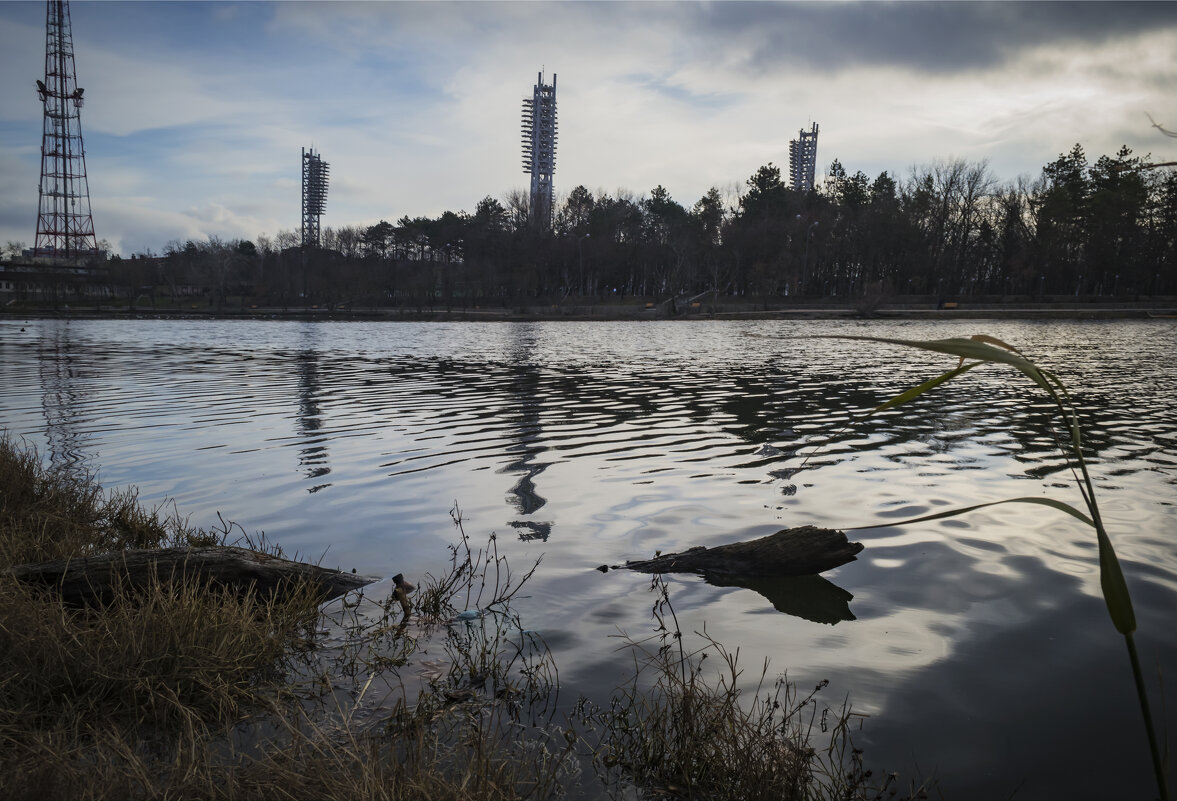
(539, 149)
(803, 159)
(65, 228)
(314, 195)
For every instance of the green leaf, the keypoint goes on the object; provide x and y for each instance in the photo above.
(915, 392)
(1111, 577)
(1115, 588)
(1051, 502)
(995, 341)
(984, 349)
(965, 349)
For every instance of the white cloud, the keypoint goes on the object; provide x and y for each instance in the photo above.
(416, 105)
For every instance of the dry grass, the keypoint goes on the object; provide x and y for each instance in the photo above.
(184, 690)
(88, 692)
(191, 690)
(684, 729)
(47, 515)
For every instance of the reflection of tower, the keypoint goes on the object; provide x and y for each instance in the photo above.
(525, 389)
(313, 454)
(539, 149)
(65, 228)
(61, 397)
(315, 172)
(803, 159)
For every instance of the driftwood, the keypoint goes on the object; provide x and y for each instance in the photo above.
(782, 567)
(94, 578)
(807, 550)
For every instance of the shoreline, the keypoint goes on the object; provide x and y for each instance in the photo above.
(613, 313)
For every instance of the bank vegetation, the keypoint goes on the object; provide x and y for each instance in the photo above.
(186, 689)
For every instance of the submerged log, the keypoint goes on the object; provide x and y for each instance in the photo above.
(806, 550)
(88, 579)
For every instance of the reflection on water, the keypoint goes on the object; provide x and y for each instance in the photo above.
(807, 597)
(313, 455)
(598, 442)
(525, 411)
(60, 401)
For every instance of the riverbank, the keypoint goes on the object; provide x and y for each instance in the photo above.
(726, 309)
(181, 688)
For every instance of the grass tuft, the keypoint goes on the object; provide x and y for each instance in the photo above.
(684, 728)
(183, 689)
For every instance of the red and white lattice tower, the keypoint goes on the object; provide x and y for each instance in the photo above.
(65, 228)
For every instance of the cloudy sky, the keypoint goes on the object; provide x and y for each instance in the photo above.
(196, 112)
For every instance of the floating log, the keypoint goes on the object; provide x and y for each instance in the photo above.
(83, 580)
(802, 551)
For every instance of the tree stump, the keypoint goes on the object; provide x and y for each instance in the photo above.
(802, 551)
(91, 579)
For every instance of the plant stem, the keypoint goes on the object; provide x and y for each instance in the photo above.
(1157, 765)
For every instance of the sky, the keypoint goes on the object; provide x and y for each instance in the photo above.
(196, 113)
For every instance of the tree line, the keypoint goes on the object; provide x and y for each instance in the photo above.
(950, 230)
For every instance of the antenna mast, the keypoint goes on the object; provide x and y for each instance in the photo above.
(65, 228)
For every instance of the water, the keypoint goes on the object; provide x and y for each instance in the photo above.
(979, 646)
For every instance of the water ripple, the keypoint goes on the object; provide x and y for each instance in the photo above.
(593, 443)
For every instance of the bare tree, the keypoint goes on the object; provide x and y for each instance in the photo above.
(518, 203)
(286, 239)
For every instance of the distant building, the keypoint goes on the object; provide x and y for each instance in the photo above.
(803, 159)
(539, 149)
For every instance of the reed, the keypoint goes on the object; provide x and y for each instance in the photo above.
(981, 349)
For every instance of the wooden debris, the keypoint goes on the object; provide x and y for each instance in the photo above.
(806, 550)
(88, 579)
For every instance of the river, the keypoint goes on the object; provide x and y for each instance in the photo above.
(979, 646)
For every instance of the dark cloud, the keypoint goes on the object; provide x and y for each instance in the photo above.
(942, 37)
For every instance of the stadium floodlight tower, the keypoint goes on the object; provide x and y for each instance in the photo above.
(315, 172)
(539, 149)
(65, 229)
(803, 159)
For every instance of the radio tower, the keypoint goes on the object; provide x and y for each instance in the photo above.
(539, 149)
(803, 159)
(65, 228)
(314, 195)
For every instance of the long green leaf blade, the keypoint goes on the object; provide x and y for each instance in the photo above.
(1115, 588)
(995, 341)
(984, 349)
(1051, 502)
(931, 384)
(964, 349)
